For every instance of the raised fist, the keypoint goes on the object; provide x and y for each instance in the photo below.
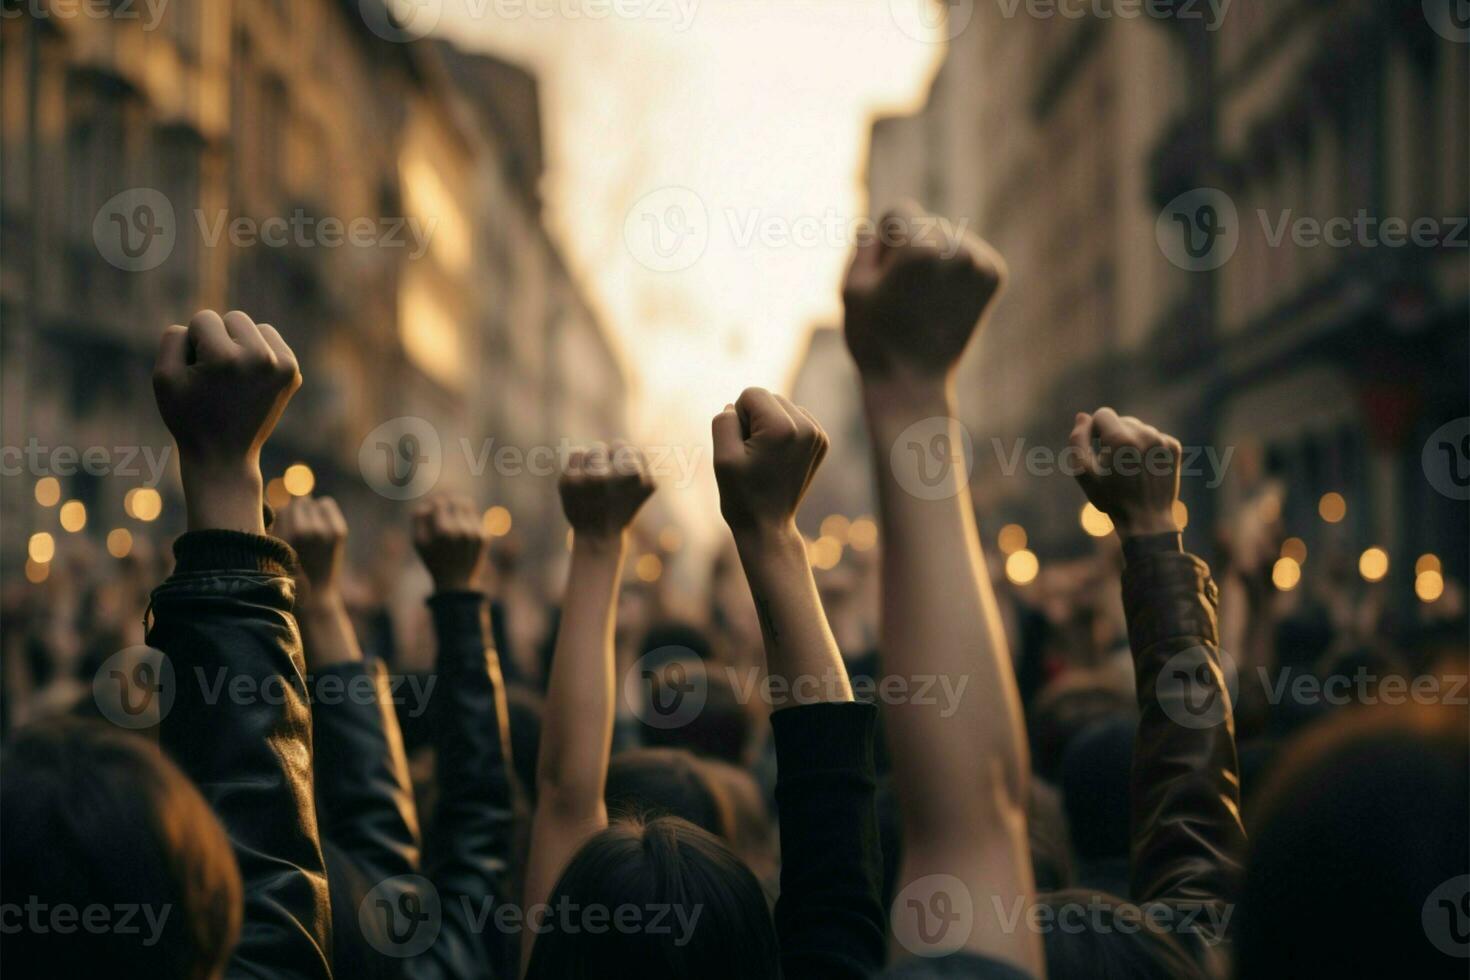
(603, 487)
(221, 385)
(914, 295)
(315, 529)
(1131, 474)
(449, 535)
(766, 452)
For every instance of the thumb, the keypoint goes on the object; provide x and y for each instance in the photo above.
(1081, 442)
(728, 438)
(173, 355)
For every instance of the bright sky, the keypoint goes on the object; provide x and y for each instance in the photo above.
(747, 120)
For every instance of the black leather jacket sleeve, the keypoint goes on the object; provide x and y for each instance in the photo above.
(362, 783)
(468, 845)
(1188, 839)
(239, 726)
(829, 918)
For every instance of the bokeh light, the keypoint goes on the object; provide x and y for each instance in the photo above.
(73, 516)
(1095, 522)
(37, 571)
(1286, 573)
(1011, 539)
(649, 567)
(1429, 586)
(1373, 564)
(836, 526)
(1022, 567)
(48, 491)
(671, 539)
(1181, 514)
(1295, 549)
(862, 535)
(1428, 563)
(119, 542)
(497, 521)
(825, 552)
(1332, 508)
(276, 493)
(143, 504)
(41, 548)
(299, 479)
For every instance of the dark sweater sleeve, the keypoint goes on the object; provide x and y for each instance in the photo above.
(829, 918)
(468, 844)
(239, 726)
(362, 782)
(1188, 838)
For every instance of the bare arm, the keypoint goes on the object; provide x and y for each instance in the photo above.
(911, 308)
(601, 492)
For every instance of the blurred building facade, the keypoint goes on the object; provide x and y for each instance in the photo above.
(376, 201)
(1062, 140)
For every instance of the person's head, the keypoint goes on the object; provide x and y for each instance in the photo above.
(720, 729)
(97, 821)
(1091, 935)
(1062, 712)
(1095, 788)
(677, 902)
(666, 782)
(1360, 849)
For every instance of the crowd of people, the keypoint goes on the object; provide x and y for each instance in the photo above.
(233, 767)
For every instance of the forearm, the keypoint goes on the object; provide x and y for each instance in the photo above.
(326, 629)
(802, 659)
(939, 620)
(576, 739)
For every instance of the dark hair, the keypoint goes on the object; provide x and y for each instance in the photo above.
(94, 817)
(1117, 941)
(715, 926)
(1095, 780)
(720, 730)
(667, 782)
(1359, 841)
(1059, 714)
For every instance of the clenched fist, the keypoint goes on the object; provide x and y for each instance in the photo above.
(1131, 473)
(449, 535)
(221, 384)
(602, 489)
(914, 295)
(766, 452)
(314, 527)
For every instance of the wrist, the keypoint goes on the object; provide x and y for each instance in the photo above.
(769, 538)
(457, 582)
(599, 541)
(223, 495)
(1142, 525)
(906, 397)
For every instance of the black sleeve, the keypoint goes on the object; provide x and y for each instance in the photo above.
(239, 726)
(1188, 839)
(468, 845)
(829, 918)
(362, 785)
